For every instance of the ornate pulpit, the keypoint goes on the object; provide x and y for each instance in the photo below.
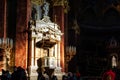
(46, 37)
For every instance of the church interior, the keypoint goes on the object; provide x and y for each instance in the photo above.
(98, 39)
(60, 35)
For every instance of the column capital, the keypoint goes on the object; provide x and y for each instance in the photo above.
(37, 2)
(63, 3)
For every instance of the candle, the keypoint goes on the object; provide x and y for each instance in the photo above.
(11, 43)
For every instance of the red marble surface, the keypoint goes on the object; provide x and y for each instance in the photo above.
(59, 12)
(21, 46)
(21, 40)
(1, 18)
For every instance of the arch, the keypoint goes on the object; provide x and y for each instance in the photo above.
(113, 43)
(111, 17)
(114, 59)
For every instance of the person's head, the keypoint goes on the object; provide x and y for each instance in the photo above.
(3, 71)
(45, 72)
(15, 68)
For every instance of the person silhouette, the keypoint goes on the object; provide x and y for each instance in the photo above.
(109, 75)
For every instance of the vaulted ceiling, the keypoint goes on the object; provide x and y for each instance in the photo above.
(98, 20)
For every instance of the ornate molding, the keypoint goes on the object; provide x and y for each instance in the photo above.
(58, 2)
(63, 3)
(46, 29)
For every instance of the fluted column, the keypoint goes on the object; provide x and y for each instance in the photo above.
(55, 55)
(32, 52)
(58, 55)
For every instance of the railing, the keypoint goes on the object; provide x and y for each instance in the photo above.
(49, 62)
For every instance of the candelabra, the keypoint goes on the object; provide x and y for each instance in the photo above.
(6, 44)
(70, 52)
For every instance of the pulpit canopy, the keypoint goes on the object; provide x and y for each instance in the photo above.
(46, 43)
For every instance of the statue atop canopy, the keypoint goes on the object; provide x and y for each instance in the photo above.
(46, 8)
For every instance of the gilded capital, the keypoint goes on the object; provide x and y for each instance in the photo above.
(37, 2)
(66, 6)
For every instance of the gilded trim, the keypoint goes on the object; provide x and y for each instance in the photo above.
(37, 2)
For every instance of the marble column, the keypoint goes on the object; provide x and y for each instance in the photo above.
(58, 55)
(39, 12)
(5, 4)
(33, 67)
(58, 11)
(22, 19)
(55, 55)
(33, 52)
